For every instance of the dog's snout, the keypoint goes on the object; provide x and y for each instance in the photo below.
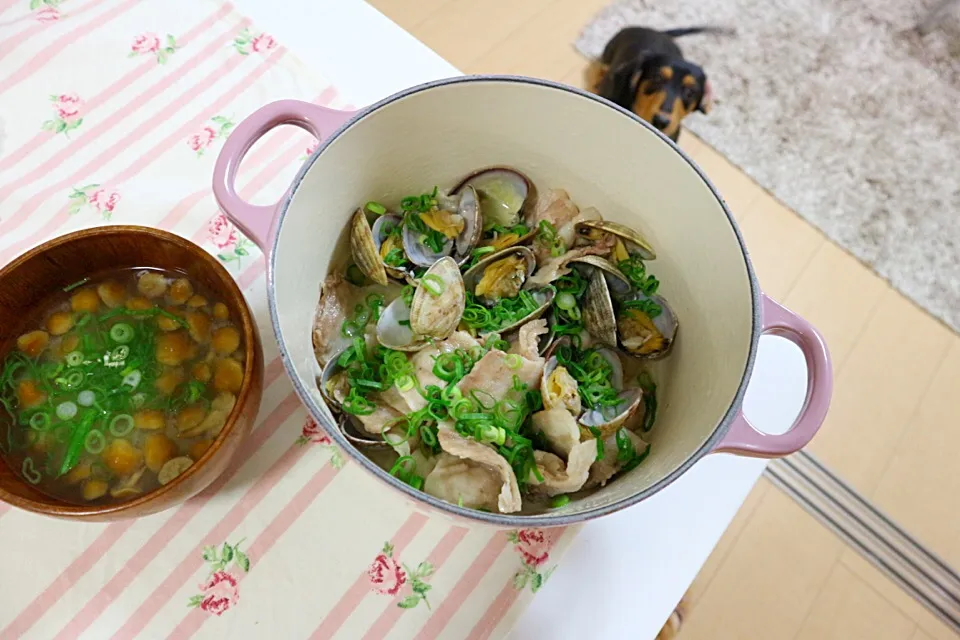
(660, 121)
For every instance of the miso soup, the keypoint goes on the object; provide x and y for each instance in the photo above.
(120, 384)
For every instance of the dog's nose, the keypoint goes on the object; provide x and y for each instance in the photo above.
(660, 121)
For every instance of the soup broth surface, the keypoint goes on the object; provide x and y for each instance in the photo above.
(118, 385)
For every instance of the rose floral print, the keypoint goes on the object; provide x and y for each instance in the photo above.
(387, 577)
(247, 42)
(218, 128)
(46, 10)
(66, 107)
(232, 247)
(148, 44)
(534, 550)
(312, 433)
(309, 151)
(219, 591)
(94, 196)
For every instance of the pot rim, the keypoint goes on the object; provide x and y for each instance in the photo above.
(499, 519)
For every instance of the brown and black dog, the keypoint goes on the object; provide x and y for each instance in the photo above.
(643, 70)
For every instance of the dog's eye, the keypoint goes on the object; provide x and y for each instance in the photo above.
(689, 94)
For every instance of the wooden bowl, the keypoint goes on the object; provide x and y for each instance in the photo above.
(27, 282)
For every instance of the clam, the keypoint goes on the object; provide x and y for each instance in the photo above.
(461, 230)
(500, 275)
(609, 419)
(597, 309)
(356, 436)
(643, 334)
(393, 328)
(558, 388)
(438, 301)
(630, 241)
(617, 282)
(334, 385)
(387, 239)
(503, 193)
(364, 249)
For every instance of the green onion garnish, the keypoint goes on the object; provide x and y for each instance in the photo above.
(78, 283)
(29, 471)
(66, 410)
(560, 501)
(121, 424)
(95, 442)
(376, 207)
(40, 421)
(122, 333)
(513, 361)
(74, 358)
(433, 284)
(649, 400)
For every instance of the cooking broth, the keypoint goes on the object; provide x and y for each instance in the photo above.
(119, 385)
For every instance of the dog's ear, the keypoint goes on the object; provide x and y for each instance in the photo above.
(706, 101)
(622, 82)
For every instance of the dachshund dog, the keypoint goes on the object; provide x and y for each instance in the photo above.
(643, 70)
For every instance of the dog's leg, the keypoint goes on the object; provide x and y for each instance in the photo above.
(594, 75)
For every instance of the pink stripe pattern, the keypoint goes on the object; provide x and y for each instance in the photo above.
(471, 578)
(264, 542)
(506, 598)
(148, 157)
(353, 596)
(116, 119)
(62, 44)
(36, 143)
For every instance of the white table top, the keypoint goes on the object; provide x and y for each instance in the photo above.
(623, 574)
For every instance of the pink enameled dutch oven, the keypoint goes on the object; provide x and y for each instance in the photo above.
(605, 157)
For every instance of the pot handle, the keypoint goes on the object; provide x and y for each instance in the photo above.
(257, 221)
(742, 438)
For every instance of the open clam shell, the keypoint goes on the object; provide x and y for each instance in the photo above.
(558, 388)
(503, 193)
(644, 336)
(592, 230)
(501, 274)
(357, 436)
(364, 249)
(617, 282)
(418, 252)
(438, 301)
(393, 328)
(384, 231)
(597, 308)
(333, 381)
(468, 208)
(609, 419)
(543, 299)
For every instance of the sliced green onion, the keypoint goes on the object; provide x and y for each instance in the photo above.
(120, 354)
(132, 379)
(71, 380)
(40, 421)
(95, 442)
(595, 431)
(82, 319)
(513, 361)
(121, 424)
(30, 472)
(355, 275)
(75, 445)
(137, 400)
(398, 467)
(566, 301)
(66, 410)
(78, 283)
(122, 333)
(74, 358)
(560, 501)
(404, 383)
(376, 207)
(416, 482)
(86, 398)
(433, 284)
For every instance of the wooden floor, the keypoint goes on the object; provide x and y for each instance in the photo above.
(893, 428)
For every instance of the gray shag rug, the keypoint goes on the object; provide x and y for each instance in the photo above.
(843, 113)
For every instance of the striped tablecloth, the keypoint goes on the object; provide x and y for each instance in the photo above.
(113, 111)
